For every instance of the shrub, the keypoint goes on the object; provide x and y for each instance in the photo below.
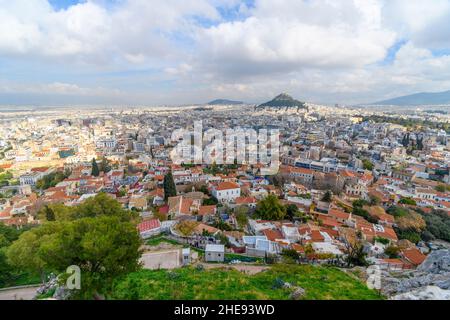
(392, 252)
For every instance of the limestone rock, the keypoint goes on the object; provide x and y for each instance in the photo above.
(424, 293)
(298, 293)
(431, 280)
(436, 262)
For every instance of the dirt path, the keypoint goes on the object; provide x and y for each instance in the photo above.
(18, 294)
(244, 268)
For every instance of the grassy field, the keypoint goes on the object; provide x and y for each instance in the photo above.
(320, 283)
(154, 241)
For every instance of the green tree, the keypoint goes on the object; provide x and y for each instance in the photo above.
(95, 169)
(443, 188)
(290, 255)
(56, 212)
(406, 140)
(170, 189)
(52, 179)
(438, 225)
(211, 201)
(374, 201)
(355, 252)
(270, 208)
(392, 252)
(8, 235)
(122, 193)
(327, 197)
(96, 236)
(102, 205)
(223, 239)
(24, 253)
(9, 275)
(367, 164)
(292, 211)
(104, 165)
(242, 216)
(408, 201)
(49, 213)
(221, 225)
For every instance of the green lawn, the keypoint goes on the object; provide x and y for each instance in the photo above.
(154, 241)
(320, 283)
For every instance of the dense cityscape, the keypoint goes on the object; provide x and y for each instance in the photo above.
(355, 189)
(224, 158)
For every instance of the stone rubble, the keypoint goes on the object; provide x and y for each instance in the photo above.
(430, 281)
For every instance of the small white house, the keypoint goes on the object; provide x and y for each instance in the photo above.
(226, 192)
(215, 253)
(186, 252)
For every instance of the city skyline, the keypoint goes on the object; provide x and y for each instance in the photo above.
(136, 53)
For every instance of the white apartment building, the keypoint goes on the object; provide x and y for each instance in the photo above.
(226, 192)
(31, 178)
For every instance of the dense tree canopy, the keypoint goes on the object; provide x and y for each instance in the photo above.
(52, 180)
(438, 225)
(242, 216)
(105, 166)
(327, 197)
(417, 225)
(292, 211)
(100, 205)
(98, 236)
(270, 208)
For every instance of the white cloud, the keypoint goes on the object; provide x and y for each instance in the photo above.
(284, 35)
(326, 51)
(418, 20)
(134, 30)
(182, 69)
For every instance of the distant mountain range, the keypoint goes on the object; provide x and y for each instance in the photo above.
(424, 98)
(283, 100)
(224, 102)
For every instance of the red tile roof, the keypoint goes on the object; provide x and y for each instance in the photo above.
(245, 200)
(339, 214)
(149, 225)
(273, 235)
(207, 210)
(388, 233)
(414, 256)
(316, 236)
(164, 209)
(42, 169)
(227, 186)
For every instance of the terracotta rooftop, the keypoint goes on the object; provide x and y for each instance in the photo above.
(227, 186)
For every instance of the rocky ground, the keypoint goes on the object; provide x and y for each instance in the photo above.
(430, 281)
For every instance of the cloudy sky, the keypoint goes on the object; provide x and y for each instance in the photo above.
(152, 52)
